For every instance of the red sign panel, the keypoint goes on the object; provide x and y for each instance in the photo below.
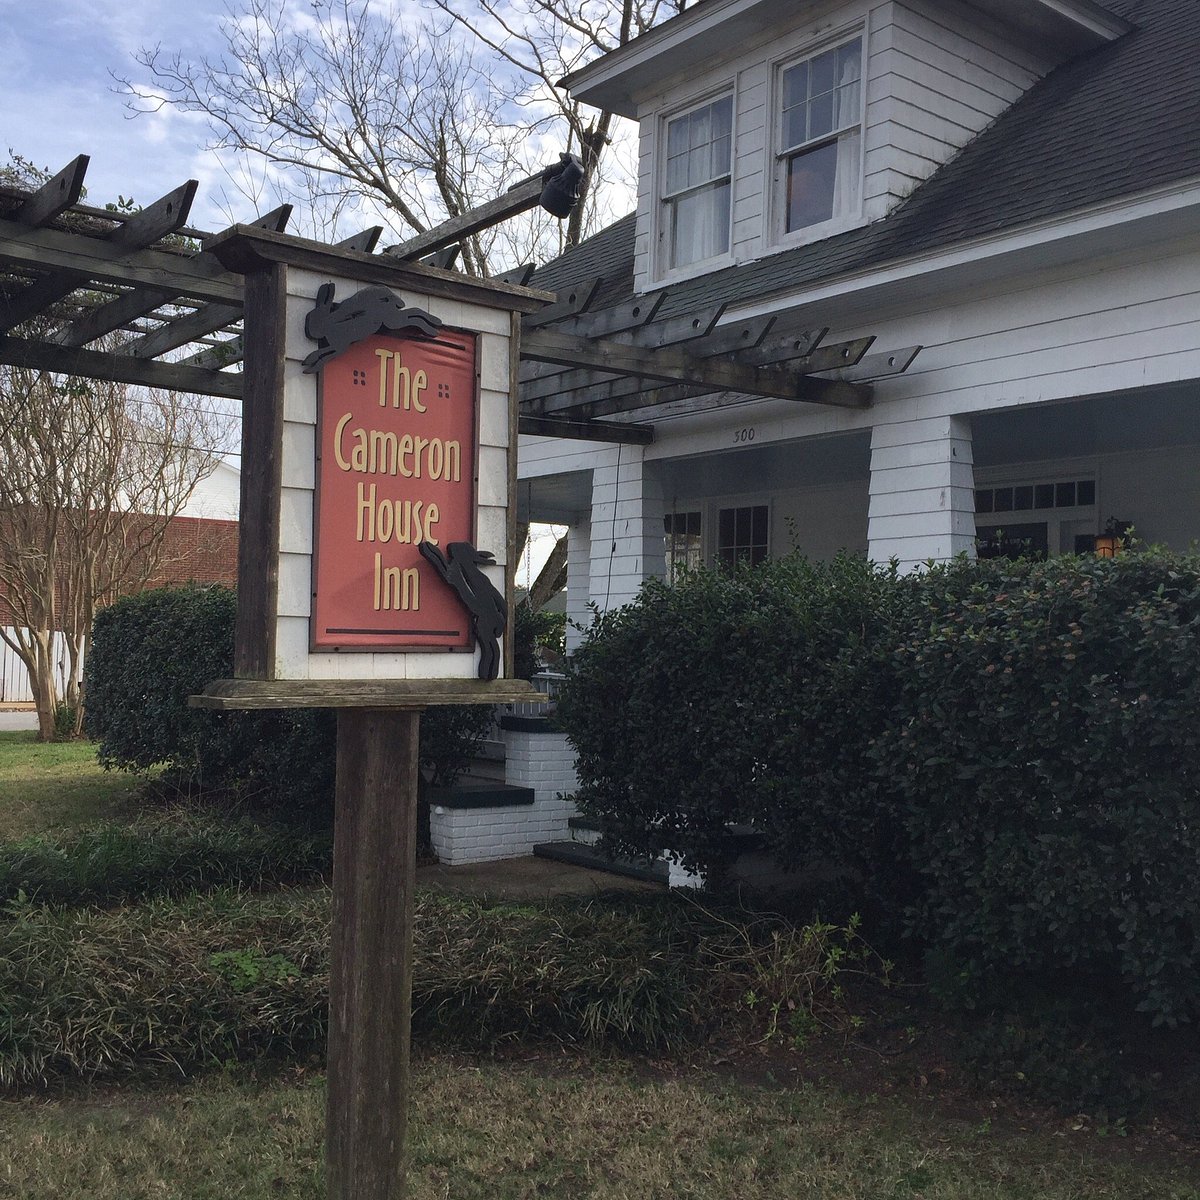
(396, 438)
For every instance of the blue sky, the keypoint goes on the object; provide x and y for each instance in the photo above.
(58, 98)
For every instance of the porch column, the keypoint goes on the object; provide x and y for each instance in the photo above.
(627, 527)
(922, 491)
(579, 559)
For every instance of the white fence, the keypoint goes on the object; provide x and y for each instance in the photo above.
(15, 687)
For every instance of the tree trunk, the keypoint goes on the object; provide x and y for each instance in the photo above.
(41, 678)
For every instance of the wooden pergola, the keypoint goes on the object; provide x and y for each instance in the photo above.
(72, 274)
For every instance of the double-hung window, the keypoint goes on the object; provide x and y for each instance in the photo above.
(819, 165)
(696, 195)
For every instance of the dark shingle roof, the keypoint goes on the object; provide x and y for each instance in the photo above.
(1118, 121)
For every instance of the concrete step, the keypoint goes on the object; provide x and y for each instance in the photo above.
(580, 855)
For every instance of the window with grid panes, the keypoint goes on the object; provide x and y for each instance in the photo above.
(743, 535)
(696, 195)
(819, 167)
(685, 551)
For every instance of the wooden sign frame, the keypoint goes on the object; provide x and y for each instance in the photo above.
(293, 324)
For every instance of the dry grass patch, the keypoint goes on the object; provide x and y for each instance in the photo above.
(585, 1132)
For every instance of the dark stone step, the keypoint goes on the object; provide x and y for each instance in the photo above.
(579, 855)
(480, 793)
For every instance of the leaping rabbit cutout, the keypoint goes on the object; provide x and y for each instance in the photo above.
(479, 596)
(337, 325)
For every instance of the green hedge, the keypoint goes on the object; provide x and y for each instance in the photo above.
(166, 855)
(151, 651)
(1048, 761)
(199, 982)
(1005, 755)
(745, 697)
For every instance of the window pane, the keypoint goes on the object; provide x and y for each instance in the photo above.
(677, 136)
(700, 225)
(722, 117)
(811, 185)
(1002, 499)
(1064, 495)
(1085, 491)
(824, 73)
(1022, 499)
(676, 173)
(720, 156)
(846, 106)
(820, 116)
(983, 500)
(760, 525)
(743, 528)
(795, 85)
(795, 127)
(725, 527)
(1044, 495)
(701, 131)
(850, 61)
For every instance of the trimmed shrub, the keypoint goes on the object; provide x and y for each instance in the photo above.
(1049, 762)
(208, 980)
(151, 651)
(745, 697)
(158, 856)
(1004, 756)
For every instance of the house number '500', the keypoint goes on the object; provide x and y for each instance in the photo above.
(743, 435)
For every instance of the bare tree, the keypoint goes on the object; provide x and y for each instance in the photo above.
(344, 103)
(91, 474)
(543, 40)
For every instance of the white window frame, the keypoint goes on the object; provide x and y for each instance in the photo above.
(781, 155)
(1062, 524)
(663, 209)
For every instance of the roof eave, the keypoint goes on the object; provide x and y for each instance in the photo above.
(617, 81)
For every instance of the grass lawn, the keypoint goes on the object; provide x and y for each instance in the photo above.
(56, 785)
(557, 1126)
(565, 1128)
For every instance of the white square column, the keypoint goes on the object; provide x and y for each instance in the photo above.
(628, 544)
(922, 492)
(579, 595)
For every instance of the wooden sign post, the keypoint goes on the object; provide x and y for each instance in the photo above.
(375, 576)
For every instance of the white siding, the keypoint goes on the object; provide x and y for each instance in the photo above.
(936, 76)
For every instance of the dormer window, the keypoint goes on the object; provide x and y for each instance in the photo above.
(819, 163)
(697, 186)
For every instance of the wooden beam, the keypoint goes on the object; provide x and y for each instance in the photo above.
(166, 215)
(223, 354)
(882, 366)
(673, 332)
(96, 364)
(567, 303)
(443, 259)
(619, 319)
(675, 366)
(519, 198)
(113, 315)
(587, 431)
(76, 260)
(362, 243)
(56, 195)
(518, 276)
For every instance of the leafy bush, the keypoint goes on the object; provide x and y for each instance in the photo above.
(208, 980)
(1049, 761)
(1005, 755)
(745, 697)
(159, 856)
(534, 633)
(151, 651)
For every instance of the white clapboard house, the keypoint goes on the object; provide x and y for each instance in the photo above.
(982, 214)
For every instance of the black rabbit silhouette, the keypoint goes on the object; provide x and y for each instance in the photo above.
(480, 597)
(337, 326)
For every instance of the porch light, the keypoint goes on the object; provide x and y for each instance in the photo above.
(1112, 541)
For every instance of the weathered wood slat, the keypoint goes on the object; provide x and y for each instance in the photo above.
(618, 319)
(673, 332)
(521, 197)
(113, 315)
(56, 195)
(370, 953)
(86, 259)
(675, 366)
(518, 276)
(97, 364)
(568, 303)
(231, 694)
(444, 259)
(587, 431)
(362, 243)
(167, 214)
(882, 366)
(214, 358)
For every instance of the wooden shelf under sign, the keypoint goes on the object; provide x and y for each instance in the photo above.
(230, 694)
